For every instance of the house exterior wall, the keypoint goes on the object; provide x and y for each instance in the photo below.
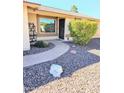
(31, 14)
(26, 43)
(67, 32)
(32, 18)
(48, 38)
(67, 21)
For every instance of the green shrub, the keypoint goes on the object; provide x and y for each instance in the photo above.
(82, 31)
(40, 44)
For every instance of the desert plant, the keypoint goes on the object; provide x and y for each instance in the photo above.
(82, 31)
(41, 44)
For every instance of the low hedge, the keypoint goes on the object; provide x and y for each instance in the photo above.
(82, 31)
(41, 44)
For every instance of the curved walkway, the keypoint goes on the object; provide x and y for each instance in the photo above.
(59, 49)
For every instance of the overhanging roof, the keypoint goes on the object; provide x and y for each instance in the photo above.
(31, 4)
(51, 9)
(55, 10)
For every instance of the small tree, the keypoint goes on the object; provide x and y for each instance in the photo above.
(74, 9)
(82, 31)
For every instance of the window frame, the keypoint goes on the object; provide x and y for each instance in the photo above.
(47, 33)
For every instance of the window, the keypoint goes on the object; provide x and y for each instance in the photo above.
(47, 25)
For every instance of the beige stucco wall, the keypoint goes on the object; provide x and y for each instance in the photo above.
(48, 38)
(26, 43)
(32, 18)
(67, 21)
(67, 32)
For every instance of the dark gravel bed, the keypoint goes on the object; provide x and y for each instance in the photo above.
(37, 75)
(35, 50)
(94, 44)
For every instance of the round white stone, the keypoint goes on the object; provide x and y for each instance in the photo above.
(56, 70)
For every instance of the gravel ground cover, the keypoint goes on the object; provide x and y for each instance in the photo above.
(94, 44)
(84, 80)
(35, 50)
(38, 75)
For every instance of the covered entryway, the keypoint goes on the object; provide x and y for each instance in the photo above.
(61, 28)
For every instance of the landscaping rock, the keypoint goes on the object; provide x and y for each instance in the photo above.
(56, 70)
(73, 51)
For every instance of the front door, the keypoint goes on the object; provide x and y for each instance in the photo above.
(61, 28)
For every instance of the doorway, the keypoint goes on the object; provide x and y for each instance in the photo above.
(61, 28)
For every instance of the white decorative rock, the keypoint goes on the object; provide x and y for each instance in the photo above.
(73, 51)
(56, 70)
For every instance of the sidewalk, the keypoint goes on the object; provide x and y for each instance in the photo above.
(59, 49)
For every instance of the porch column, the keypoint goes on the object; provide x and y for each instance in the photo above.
(57, 26)
(26, 42)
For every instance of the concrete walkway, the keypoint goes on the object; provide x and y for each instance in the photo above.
(59, 49)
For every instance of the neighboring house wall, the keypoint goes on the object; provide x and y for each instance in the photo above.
(26, 43)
